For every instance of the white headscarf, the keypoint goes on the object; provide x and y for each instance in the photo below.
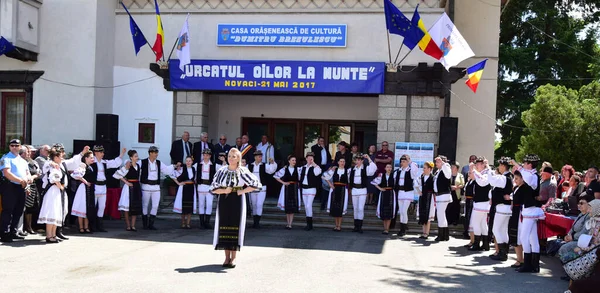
(594, 214)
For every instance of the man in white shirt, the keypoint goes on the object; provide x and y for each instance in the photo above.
(264, 173)
(99, 168)
(358, 180)
(266, 148)
(309, 179)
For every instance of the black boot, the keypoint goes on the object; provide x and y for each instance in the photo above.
(402, 231)
(486, 243)
(254, 222)
(59, 234)
(207, 222)
(535, 262)
(476, 244)
(100, 225)
(440, 235)
(360, 223)
(393, 223)
(145, 222)
(307, 227)
(6, 238)
(202, 221)
(151, 222)
(355, 226)
(447, 234)
(527, 266)
(502, 254)
(258, 222)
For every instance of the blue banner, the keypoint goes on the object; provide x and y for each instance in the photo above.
(282, 35)
(279, 76)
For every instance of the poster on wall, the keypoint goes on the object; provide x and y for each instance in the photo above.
(418, 152)
(282, 35)
(278, 76)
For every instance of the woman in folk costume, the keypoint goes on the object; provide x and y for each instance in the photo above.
(131, 195)
(441, 189)
(426, 202)
(405, 178)
(185, 200)
(206, 173)
(337, 203)
(231, 183)
(289, 197)
(386, 205)
(503, 186)
(53, 210)
(83, 204)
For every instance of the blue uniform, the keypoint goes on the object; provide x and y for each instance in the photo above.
(13, 194)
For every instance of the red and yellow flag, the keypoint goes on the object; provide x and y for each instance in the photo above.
(160, 35)
(426, 44)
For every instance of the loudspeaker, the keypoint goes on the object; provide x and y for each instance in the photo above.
(79, 144)
(107, 127)
(448, 137)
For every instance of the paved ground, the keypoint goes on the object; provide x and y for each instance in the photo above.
(274, 260)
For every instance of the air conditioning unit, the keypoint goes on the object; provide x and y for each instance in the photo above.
(20, 24)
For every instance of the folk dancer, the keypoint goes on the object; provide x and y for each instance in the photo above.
(206, 173)
(53, 209)
(386, 204)
(66, 165)
(441, 189)
(531, 213)
(517, 196)
(257, 197)
(309, 180)
(481, 205)
(98, 168)
(185, 200)
(405, 177)
(337, 204)
(358, 188)
(131, 195)
(289, 196)
(231, 183)
(426, 200)
(502, 189)
(85, 197)
(469, 191)
(151, 170)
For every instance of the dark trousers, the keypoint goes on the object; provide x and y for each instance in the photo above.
(13, 205)
(321, 192)
(468, 213)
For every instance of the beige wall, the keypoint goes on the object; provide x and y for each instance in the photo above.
(225, 111)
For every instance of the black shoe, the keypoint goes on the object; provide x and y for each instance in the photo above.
(476, 245)
(15, 236)
(308, 224)
(486, 243)
(207, 222)
(360, 223)
(151, 222)
(22, 233)
(50, 240)
(402, 231)
(6, 238)
(145, 222)
(355, 226)
(502, 254)
(202, 222)
(514, 266)
(258, 222)
(535, 262)
(440, 235)
(99, 225)
(59, 234)
(446, 234)
(527, 264)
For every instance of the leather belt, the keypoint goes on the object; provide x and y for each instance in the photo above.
(188, 182)
(100, 183)
(340, 184)
(358, 186)
(387, 188)
(132, 180)
(308, 186)
(152, 182)
(205, 182)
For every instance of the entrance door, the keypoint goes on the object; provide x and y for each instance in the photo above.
(284, 139)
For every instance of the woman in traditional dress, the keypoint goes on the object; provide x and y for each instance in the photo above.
(386, 205)
(289, 196)
(52, 211)
(185, 200)
(32, 201)
(337, 203)
(84, 196)
(230, 222)
(426, 203)
(131, 194)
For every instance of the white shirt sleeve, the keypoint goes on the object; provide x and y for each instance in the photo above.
(447, 170)
(73, 163)
(530, 178)
(417, 185)
(317, 170)
(371, 169)
(481, 179)
(168, 169)
(119, 174)
(78, 173)
(377, 180)
(414, 170)
(497, 180)
(115, 163)
(270, 168)
(280, 173)
(329, 174)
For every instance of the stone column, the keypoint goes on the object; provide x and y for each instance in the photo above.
(191, 114)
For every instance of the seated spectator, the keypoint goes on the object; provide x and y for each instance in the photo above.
(567, 250)
(591, 283)
(576, 188)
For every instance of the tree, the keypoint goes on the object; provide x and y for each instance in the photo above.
(563, 125)
(529, 58)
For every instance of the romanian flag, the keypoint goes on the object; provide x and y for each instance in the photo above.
(426, 44)
(475, 73)
(160, 35)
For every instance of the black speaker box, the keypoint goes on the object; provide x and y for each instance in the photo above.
(448, 137)
(107, 127)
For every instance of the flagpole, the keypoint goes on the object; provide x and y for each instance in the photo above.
(405, 56)
(389, 47)
(399, 52)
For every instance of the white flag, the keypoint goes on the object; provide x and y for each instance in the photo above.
(452, 43)
(183, 45)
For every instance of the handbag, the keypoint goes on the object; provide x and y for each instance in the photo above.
(582, 266)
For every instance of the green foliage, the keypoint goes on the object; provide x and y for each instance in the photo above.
(558, 108)
(529, 58)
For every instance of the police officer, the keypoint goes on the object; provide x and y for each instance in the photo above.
(15, 170)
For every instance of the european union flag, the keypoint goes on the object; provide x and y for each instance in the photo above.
(397, 23)
(5, 46)
(138, 37)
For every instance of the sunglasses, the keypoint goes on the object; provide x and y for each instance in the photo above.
(14, 145)
(581, 203)
(222, 139)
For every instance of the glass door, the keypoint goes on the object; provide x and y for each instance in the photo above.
(284, 137)
(337, 134)
(256, 129)
(312, 131)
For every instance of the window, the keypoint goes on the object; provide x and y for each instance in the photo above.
(146, 132)
(13, 117)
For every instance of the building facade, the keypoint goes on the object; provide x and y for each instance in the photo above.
(86, 66)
